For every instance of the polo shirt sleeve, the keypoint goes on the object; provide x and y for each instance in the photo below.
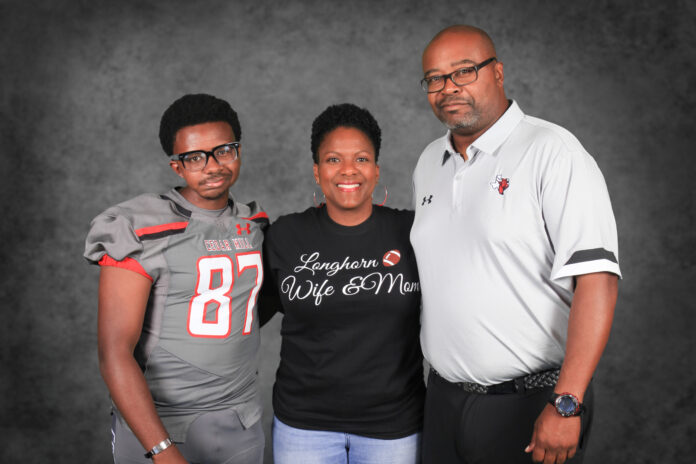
(578, 216)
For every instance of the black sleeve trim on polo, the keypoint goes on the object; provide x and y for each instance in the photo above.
(183, 211)
(594, 254)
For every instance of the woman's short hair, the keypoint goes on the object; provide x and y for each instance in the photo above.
(345, 115)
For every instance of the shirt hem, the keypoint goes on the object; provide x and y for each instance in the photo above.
(572, 270)
(352, 430)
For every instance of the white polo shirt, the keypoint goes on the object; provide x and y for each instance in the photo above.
(498, 239)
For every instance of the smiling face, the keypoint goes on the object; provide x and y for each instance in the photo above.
(467, 110)
(347, 174)
(208, 188)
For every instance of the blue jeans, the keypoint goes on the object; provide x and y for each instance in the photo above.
(300, 446)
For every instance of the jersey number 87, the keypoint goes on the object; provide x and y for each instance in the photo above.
(221, 325)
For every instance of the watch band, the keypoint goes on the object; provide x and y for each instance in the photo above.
(159, 447)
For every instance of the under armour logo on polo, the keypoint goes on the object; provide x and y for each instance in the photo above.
(427, 199)
(247, 228)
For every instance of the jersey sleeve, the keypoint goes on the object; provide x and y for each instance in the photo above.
(112, 241)
(252, 211)
(578, 216)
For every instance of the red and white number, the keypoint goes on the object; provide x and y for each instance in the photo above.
(250, 261)
(208, 267)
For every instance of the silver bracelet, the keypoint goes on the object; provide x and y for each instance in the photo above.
(159, 447)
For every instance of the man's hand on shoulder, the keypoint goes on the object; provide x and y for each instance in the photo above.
(555, 438)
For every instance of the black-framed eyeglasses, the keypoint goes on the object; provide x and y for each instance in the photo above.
(460, 77)
(197, 159)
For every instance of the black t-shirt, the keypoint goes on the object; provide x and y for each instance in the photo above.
(350, 358)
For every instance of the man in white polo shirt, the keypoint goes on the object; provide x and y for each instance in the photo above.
(518, 260)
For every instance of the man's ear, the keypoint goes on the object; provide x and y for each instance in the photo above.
(499, 74)
(176, 167)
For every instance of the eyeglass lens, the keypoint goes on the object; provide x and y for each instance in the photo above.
(462, 76)
(195, 161)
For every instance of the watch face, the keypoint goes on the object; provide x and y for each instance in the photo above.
(566, 405)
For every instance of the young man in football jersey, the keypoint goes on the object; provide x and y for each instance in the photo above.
(179, 275)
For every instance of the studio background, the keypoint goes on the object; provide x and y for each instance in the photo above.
(83, 86)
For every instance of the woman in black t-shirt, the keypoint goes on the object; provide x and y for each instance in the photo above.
(349, 387)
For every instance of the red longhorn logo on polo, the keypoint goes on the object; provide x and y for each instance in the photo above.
(391, 258)
(500, 184)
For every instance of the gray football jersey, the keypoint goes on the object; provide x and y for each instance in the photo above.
(200, 337)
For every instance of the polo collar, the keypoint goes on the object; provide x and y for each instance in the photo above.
(449, 148)
(494, 137)
(490, 140)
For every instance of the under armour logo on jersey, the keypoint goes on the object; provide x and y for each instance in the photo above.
(427, 199)
(500, 184)
(247, 228)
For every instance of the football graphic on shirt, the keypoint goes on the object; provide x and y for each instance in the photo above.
(391, 257)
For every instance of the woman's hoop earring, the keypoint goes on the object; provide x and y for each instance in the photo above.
(386, 194)
(316, 203)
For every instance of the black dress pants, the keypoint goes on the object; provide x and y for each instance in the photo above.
(471, 428)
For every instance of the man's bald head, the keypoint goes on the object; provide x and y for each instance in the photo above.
(473, 35)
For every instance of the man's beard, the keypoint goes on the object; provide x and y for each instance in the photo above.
(468, 123)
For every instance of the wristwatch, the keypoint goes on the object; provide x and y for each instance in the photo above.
(567, 404)
(159, 447)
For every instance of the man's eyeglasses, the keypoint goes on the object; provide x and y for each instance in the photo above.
(196, 160)
(460, 77)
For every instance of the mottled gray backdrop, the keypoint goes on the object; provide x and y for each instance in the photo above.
(84, 84)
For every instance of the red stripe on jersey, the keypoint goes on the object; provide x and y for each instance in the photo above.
(126, 263)
(161, 228)
(256, 216)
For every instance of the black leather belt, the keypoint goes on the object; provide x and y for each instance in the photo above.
(520, 384)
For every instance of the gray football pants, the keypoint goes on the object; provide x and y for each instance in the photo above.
(216, 437)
